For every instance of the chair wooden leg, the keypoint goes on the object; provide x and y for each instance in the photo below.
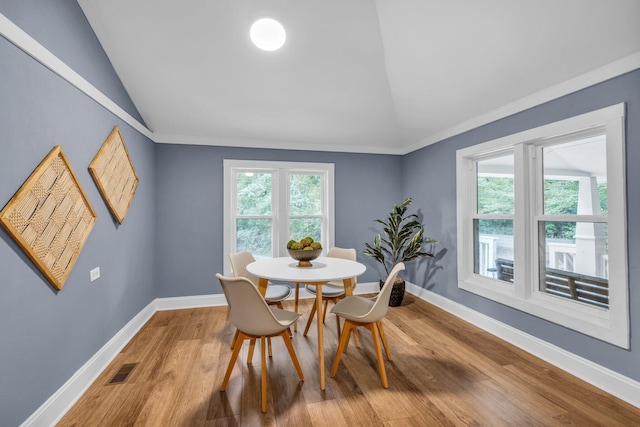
(313, 312)
(338, 324)
(356, 340)
(252, 347)
(373, 327)
(233, 341)
(269, 345)
(344, 340)
(324, 311)
(264, 375)
(295, 325)
(384, 340)
(292, 353)
(232, 361)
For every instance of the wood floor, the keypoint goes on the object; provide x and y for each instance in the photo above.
(444, 372)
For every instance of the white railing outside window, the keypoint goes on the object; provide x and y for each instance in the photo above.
(568, 266)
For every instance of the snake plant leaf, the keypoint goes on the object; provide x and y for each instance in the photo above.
(403, 238)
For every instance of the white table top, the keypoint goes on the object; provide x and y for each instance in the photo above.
(323, 269)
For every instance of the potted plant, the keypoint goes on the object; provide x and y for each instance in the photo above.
(403, 241)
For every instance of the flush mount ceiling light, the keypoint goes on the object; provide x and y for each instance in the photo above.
(267, 34)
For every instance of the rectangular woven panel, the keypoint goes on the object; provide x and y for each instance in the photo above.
(50, 217)
(114, 174)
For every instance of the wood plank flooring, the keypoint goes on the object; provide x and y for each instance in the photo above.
(444, 372)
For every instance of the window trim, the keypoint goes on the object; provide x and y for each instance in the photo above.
(280, 191)
(610, 325)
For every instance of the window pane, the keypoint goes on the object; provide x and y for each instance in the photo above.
(561, 197)
(495, 185)
(306, 227)
(254, 235)
(575, 177)
(305, 195)
(604, 198)
(493, 253)
(574, 261)
(254, 193)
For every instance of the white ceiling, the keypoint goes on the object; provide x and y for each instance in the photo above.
(377, 76)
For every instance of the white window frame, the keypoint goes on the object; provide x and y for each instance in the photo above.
(280, 214)
(610, 325)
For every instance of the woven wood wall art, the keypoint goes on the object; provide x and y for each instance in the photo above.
(114, 174)
(50, 217)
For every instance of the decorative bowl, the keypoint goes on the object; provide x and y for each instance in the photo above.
(304, 257)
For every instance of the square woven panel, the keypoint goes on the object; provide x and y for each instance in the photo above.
(114, 174)
(50, 217)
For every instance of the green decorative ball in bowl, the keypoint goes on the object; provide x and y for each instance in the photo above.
(304, 251)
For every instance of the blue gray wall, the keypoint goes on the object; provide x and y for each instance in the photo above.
(46, 335)
(190, 213)
(61, 27)
(430, 177)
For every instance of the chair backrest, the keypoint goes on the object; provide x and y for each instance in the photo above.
(379, 309)
(239, 262)
(344, 253)
(249, 311)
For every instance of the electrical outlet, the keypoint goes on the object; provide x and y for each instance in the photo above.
(95, 274)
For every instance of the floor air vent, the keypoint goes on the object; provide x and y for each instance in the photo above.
(123, 373)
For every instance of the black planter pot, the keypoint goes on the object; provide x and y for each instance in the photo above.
(397, 292)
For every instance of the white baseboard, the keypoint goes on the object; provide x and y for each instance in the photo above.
(605, 379)
(214, 300)
(196, 301)
(51, 411)
(62, 400)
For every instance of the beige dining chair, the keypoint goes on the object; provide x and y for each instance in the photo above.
(274, 295)
(367, 312)
(331, 291)
(254, 319)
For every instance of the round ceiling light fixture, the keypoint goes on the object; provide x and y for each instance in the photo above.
(268, 34)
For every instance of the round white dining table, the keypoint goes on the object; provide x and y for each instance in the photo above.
(322, 270)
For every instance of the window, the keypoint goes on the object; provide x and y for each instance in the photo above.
(493, 216)
(268, 203)
(542, 223)
(572, 224)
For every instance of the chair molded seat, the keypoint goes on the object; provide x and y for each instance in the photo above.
(354, 308)
(284, 317)
(328, 291)
(274, 295)
(331, 291)
(367, 312)
(254, 319)
(277, 293)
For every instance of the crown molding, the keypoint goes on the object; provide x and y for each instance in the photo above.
(30, 46)
(599, 75)
(270, 144)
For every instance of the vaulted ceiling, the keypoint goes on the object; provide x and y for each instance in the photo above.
(378, 76)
